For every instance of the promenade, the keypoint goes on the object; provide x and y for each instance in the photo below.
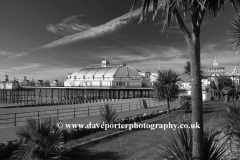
(8, 134)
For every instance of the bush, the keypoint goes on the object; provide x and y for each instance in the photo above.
(7, 148)
(184, 98)
(186, 105)
(41, 139)
(179, 144)
(227, 91)
(228, 122)
(185, 102)
(108, 114)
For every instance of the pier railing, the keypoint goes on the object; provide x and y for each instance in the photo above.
(16, 119)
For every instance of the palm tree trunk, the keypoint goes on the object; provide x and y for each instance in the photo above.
(193, 42)
(197, 102)
(168, 106)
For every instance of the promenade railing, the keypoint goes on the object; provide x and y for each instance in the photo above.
(19, 118)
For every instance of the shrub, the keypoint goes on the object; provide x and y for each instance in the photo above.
(41, 139)
(186, 105)
(185, 102)
(108, 114)
(227, 91)
(179, 144)
(7, 148)
(184, 98)
(228, 122)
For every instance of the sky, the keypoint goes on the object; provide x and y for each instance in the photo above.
(47, 39)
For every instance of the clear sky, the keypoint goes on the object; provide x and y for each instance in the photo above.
(46, 39)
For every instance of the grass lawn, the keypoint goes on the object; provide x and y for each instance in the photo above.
(137, 144)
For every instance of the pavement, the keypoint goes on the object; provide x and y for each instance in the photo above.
(8, 134)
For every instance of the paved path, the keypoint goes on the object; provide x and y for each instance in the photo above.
(8, 134)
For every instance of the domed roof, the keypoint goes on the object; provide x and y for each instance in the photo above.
(108, 71)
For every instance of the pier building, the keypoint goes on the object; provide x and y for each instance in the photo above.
(107, 74)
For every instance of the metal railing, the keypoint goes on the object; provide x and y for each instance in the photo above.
(15, 119)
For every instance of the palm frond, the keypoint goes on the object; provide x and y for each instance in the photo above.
(213, 149)
(41, 139)
(178, 146)
(231, 124)
(235, 31)
(198, 7)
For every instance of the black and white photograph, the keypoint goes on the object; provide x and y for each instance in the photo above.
(119, 79)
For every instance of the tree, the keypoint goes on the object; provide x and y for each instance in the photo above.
(195, 10)
(166, 86)
(187, 69)
(224, 86)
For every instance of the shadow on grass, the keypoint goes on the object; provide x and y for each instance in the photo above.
(204, 111)
(80, 153)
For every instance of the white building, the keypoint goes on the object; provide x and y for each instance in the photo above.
(146, 79)
(2, 85)
(54, 83)
(6, 84)
(11, 85)
(105, 75)
(153, 78)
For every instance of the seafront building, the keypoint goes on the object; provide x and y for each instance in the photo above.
(213, 71)
(217, 70)
(7, 84)
(108, 74)
(208, 76)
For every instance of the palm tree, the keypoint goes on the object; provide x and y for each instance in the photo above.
(108, 114)
(41, 139)
(166, 86)
(187, 69)
(224, 86)
(195, 10)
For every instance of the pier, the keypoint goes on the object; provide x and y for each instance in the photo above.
(37, 96)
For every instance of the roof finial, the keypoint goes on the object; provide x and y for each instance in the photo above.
(215, 58)
(215, 63)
